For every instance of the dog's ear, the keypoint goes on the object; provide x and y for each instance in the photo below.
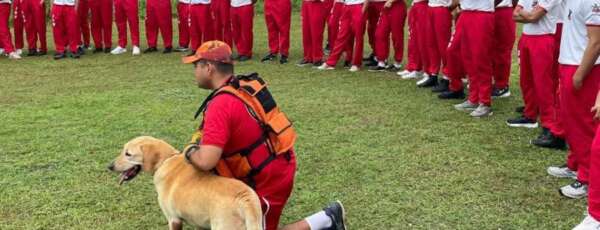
(150, 157)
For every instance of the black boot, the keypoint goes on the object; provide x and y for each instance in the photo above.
(430, 82)
(549, 140)
(168, 50)
(442, 86)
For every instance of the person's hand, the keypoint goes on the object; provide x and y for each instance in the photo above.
(577, 81)
(254, 2)
(388, 4)
(596, 111)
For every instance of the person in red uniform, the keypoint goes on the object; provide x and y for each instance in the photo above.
(504, 40)
(439, 28)
(19, 25)
(278, 17)
(126, 12)
(417, 58)
(158, 18)
(314, 15)
(222, 20)
(83, 14)
(5, 35)
(391, 21)
(333, 27)
(102, 13)
(34, 12)
(201, 29)
(373, 14)
(242, 21)
(65, 28)
(227, 126)
(183, 20)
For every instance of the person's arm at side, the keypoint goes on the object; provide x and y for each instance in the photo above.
(205, 157)
(590, 55)
(531, 17)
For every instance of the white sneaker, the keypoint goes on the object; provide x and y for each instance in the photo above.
(466, 106)
(19, 51)
(118, 50)
(562, 172)
(423, 79)
(588, 223)
(136, 51)
(1, 51)
(403, 72)
(576, 190)
(482, 111)
(325, 67)
(354, 68)
(413, 75)
(14, 56)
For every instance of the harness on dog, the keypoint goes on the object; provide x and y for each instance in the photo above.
(277, 132)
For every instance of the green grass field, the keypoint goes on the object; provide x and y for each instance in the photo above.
(395, 155)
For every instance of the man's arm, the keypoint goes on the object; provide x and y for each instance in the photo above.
(205, 157)
(531, 17)
(590, 55)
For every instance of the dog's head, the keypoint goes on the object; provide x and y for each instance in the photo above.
(142, 153)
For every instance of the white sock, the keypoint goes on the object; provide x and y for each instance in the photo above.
(319, 220)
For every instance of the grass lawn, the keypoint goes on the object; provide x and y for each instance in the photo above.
(395, 155)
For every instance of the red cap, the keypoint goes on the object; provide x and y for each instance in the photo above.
(217, 51)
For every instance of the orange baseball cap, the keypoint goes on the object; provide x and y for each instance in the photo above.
(217, 51)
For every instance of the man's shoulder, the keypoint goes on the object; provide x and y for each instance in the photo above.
(225, 101)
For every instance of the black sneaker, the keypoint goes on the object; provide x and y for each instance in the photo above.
(443, 86)
(394, 68)
(317, 63)
(377, 68)
(59, 56)
(107, 50)
(550, 141)
(452, 95)
(80, 51)
(181, 49)
(303, 63)
(283, 59)
(76, 55)
(522, 122)
(268, 57)
(32, 52)
(371, 63)
(501, 93)
(520, 109)
(347, 64)
(168, 50)
(327, 49)
(41, 53)
(243, 58)
(150, 50)
(98, 50)
(371, 57)
(430, 82)
(336, 212)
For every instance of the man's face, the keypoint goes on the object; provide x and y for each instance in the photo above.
(203, 73)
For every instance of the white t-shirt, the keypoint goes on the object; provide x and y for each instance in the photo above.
(240, 3)
(5, 1)
(546, 24)
(182, 1)
(64, 2)
(353, 2)
(578, 15)
(204, 2)
(561, 11)
(439, 3)
(505, 3)
(477, 5)
(417, 1)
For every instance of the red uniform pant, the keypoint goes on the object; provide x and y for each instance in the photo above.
(594, 181)
(576, 117)
(184, 21)
(328, 9)
(242, 22)
(373, 13)
(83, 14)
(201, 29)
(352, 25)
(314, 15)
(35, 24)
(102, 11)
(333, 23)
(470, 53)
(158, 18)
(65, 28)
(392, 21)
(504, 39)
(440, 26)
(273, 187)
(126, 11)
(278, 16)
(222, 29)
(538, 81)
(18, 23)
(5, 37)
(417, 47)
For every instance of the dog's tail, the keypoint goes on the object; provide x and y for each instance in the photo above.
(250, 209)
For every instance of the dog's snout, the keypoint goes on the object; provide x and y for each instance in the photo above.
(111, 166)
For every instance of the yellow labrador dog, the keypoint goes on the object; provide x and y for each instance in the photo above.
(186, 194)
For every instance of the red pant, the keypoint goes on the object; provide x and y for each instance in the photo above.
(5, 38)
(18, 23)
(352, 24)
(183, 16)
(200, 28)
(440, 26)
(470, 53)
(538, 81)
(242, 21)
(221, 11)
(373, 13)
(504, 39)
(65, 28)
(328, 12)
(594, 181)
(158, 17)
(576, 116)
(126, 11)
(274, 186)
(83, 14)
(278, 16)
(419, 32)
(391, 21)
(35, 24)
(314, 15)
(102, 23)
(333, 26)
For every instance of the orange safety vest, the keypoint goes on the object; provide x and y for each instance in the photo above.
(278, 133)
